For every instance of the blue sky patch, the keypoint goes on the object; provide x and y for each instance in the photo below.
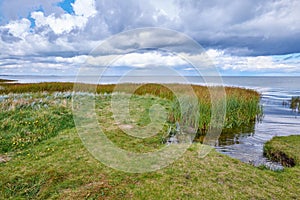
(32, 21)
(66, 5)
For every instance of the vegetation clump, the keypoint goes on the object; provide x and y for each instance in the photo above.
(285, 150)
(29, 119)
(295, 104)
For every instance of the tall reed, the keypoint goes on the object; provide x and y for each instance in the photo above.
(242, 105)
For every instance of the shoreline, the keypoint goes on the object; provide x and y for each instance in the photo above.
(7, 81)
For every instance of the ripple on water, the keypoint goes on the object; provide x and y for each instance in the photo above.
(278, 120)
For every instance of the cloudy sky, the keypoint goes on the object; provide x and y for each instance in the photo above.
(241, 37)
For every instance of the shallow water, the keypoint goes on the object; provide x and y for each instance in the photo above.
(247, 145)
(278, 120)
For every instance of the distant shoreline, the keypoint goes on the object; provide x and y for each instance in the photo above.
(6, 80)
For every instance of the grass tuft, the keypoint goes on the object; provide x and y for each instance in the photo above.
(285, 150)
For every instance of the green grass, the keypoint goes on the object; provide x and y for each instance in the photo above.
(285, 150)
(27, 120)
(139, 118)
(58, 166)
(61, 168)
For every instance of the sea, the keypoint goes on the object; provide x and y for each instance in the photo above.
(247, 146)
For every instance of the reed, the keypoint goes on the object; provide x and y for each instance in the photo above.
(295, 104)
(242, 105)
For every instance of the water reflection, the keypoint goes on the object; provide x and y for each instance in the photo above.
(234, 136)
(230, 136)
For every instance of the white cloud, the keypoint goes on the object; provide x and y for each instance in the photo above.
(256, 64)
(73, 60)
(85, 8)
(18, 28)
(136, 60)
(151, 59)
(16, 9)
(65, 23)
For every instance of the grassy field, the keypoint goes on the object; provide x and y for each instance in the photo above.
(285, 150)
(61, 168)
(47, 159)
(42, 156)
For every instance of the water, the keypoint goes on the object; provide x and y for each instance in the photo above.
(279, 119)
(247, 146)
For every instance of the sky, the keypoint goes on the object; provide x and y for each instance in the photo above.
(241, 37)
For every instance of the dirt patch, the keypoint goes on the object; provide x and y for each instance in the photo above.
(125, 126)
(4, 158)
(93, 190)
(282, 158)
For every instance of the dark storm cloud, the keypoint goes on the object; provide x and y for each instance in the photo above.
(263, 27)
(239, 27)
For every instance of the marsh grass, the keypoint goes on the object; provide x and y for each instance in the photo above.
(31, 113)
(242, 105)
